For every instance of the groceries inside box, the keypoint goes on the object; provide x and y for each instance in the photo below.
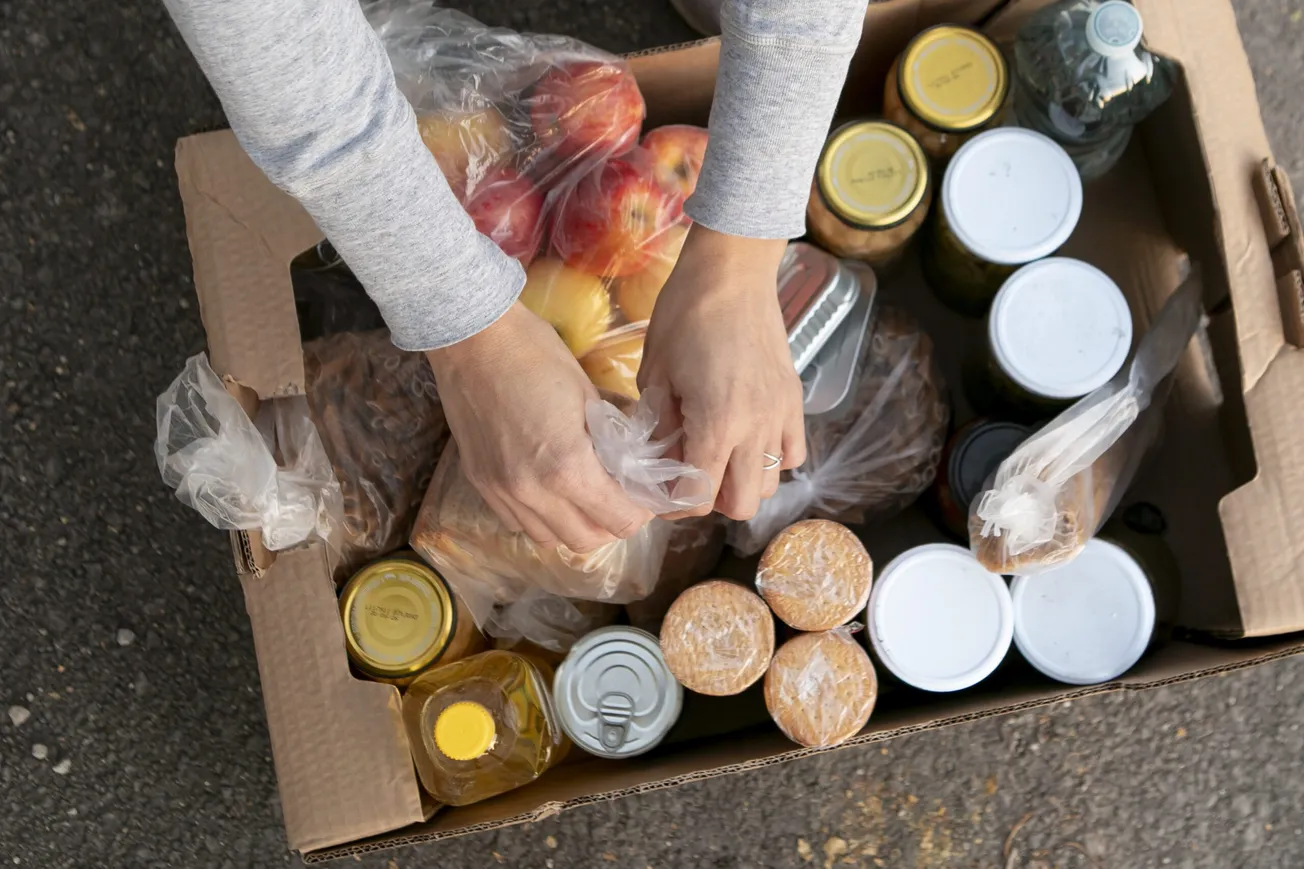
(1023, 393)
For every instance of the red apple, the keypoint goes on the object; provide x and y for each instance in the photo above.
(508, 207)
(617, 218)
(586, 109)
(678, 150)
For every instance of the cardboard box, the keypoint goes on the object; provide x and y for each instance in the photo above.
(1198, 179)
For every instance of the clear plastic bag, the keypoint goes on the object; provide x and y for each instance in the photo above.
(226, 467)
(492, 568)
(874, 460)
(380, 421)
(548, 621)
(692, 552)
(821, 688)
(1055, 491)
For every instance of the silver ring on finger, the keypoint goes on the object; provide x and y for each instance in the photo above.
(771, 461)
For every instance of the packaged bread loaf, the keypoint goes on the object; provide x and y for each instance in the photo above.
(815, 575)
(1059, 486)
(717, 638)
(821, 688)
(692, 552)
(875, 458)
(380, 421)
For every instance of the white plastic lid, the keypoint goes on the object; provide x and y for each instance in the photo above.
(1087, 621)
(1060, 328)
(939, 620)
(1012, 196)
(1114, 28)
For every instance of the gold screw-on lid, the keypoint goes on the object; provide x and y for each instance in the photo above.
(872, 174)
(953, 78)
(398, 618)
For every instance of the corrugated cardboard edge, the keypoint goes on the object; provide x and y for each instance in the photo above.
(1171, 674)
(1263, 520)
(343, 764)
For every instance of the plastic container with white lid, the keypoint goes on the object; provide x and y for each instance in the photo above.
(938, 620)
(1058, 329)
(1009, 197)
(1087, 621)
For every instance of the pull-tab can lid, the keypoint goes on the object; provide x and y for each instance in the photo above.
(614, 694)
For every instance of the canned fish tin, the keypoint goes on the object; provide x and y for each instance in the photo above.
(950, 83)
(1009, 197)
(871, 192)
(938, 620)
(971, 456)
(614, 694)
(1087, 621)
(816, 293)
(1058, 329)
(400, 617)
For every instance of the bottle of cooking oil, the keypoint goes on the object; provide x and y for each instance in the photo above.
(482, 726)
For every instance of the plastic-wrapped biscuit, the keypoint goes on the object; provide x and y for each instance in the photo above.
(718, 638)
(815, 575)
(821, 688)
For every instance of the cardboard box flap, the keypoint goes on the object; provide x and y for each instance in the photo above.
(1286, 240)
(341, 755)
(243, 232)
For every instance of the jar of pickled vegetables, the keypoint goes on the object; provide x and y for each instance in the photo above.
(1009, 197)
(948, 85)
(871, 192)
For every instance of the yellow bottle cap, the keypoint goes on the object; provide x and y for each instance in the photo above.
(398, 618)
(465, 731)
(872, 174)
(952, 78)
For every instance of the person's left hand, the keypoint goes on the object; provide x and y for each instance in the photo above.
(717, 345)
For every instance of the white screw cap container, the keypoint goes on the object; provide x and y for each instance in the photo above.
(938, 620)
(1087, 621)
(1060, 328)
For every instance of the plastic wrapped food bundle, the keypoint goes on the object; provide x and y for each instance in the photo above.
(815, 575)
(379, 418)
(876, 458)
(493, 568)
(1055, 491)
(821, 688)
(692, 552)
(717, 638)
(273, 476)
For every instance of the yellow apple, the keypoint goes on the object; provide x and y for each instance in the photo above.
(637, 294)
(466, 145)
(613, 364)
(575, 303)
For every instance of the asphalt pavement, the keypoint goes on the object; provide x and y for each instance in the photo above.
(135, 734)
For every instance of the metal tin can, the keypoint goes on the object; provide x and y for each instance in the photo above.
(614, 694)
(949, 84)
(1058, 329)
(816, 293)
(871, 192)
(1090, 620)
(829, 381)
(938, 620)
(971, 456)
(400, 618)
(1009, 197)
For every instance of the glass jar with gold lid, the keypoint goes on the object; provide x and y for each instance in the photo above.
(871, 192)
(949, 84)
(401, 617)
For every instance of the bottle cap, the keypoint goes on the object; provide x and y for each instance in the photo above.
(952, 78)
(465, 731)
(938, 620)
(1087, 621)
(1114, 28)
(872, 174)
(1060, 328)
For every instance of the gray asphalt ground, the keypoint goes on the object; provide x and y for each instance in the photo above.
(122, 628)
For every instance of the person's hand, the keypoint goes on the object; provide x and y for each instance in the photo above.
(717, 345)
(514, 398)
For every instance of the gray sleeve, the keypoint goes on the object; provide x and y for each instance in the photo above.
(782, 66)
(309, 92)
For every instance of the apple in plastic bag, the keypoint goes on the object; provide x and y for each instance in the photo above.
(616, 219)
(586, 109)
(613, 364)
(573, 302)
(637, 294)
(508, 207)
(678, 150)
(466, 145)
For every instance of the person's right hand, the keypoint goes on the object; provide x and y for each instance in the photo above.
(514, 397)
